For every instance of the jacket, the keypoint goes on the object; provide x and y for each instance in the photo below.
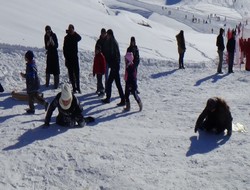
(99, 66)
(32, 79)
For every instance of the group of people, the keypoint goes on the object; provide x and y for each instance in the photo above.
(216, 117)
(106, 63)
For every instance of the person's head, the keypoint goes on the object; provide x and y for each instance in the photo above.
(48, 29)
(132, 41)
(211, 104)
(103, 32)
(110, 33)
(70, 29)
(221, 31)
(98, 49)
(29, 55)
(66, 97)
(129, 57)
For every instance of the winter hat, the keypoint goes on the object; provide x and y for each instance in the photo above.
(110, 32)
(29, 55)
(103, 31)
(47, 28)
(66, 95)
(129, 57)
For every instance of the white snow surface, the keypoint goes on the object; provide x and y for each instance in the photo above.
(152, 149)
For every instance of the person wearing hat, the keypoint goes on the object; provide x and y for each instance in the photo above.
(52, 62)
(221, 47)
(130, 81)
(32, 83)
(216, 117)
(99, 69)
(70, 52)
(112, 57)
(69, 109)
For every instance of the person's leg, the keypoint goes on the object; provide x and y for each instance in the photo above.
(219, 68)
(119, 87)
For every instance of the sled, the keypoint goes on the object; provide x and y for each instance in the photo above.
(22, 96)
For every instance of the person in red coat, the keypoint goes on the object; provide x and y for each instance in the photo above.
(99, 69)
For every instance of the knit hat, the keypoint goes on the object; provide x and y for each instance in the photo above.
(66, 95)
(110, 32)
(29, 55)
(129, 57)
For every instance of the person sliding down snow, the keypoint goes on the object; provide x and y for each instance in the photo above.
(69, 108)
(216, 117)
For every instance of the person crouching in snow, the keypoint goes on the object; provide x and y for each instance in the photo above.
(69, 108)
(130, 81)
(32, 83)
(99, 69)
(216, 117)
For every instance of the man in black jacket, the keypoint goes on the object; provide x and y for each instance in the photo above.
(221, 47)
(231, 50)
(70, 51)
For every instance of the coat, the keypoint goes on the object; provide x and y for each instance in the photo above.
(70, 48)
(52, 62)
(112, 54)
(218, 119)
(220, 42)
(180, 43)
(130, 76)
(99, 66)
(231, 45)
(31, 76)
(65, 117)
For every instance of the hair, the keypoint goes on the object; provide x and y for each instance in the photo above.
(29, 55)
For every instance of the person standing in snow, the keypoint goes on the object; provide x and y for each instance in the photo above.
(134, 49)
(231, 50)
(113, 60)
(130, 79)
(52, 62)
(69, 109)
(216, 117)
(181, 48)
(221, 47)
(70, 51)
(99, 69)
(32, 83)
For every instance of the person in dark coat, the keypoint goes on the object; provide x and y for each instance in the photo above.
(69, 109)
(134, 49)
(130, 79)
(32, 83)
(52, 62)
(113, 60)
(99, 69)
(70, 51)
(216, 117)
(231, 50)
(181, 48)
(221, 47)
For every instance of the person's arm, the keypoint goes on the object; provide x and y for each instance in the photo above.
(200, 119)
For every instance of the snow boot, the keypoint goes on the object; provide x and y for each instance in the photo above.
(127, 107)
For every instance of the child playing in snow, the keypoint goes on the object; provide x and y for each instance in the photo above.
(99, 69)
(130, 79)
(32, 83)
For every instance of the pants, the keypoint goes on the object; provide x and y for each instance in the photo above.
(220, 53)
(35, 96)
(181, 57)
(74, 75)
(100, 87)
(133, 90)
(230, 62)
(114, 75)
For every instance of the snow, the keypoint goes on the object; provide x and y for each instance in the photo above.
(152, 149)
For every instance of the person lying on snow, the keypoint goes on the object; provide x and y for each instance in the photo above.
(69, 108)
(216, 117)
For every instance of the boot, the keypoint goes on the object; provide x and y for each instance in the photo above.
(47, 80)
(56, 81)
(127, 106)
(140, 105)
